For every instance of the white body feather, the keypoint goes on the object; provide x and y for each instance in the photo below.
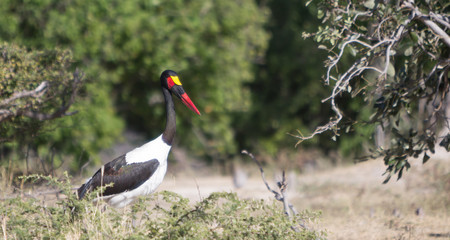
(156, 149)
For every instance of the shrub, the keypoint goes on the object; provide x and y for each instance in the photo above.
(165, 215)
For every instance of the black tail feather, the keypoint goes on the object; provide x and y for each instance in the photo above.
(83, 190)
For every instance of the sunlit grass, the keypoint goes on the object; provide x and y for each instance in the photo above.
(164, 215)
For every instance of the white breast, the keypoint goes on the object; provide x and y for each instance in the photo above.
(156, 149)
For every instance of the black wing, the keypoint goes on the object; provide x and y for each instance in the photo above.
(125, 176)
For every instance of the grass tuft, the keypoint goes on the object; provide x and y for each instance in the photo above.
(164, 215)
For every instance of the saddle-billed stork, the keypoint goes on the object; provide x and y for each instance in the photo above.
(140, 171)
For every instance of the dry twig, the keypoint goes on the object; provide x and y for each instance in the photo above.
(289, 209)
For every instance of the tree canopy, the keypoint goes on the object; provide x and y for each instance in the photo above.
(36, 86)
(394, 55)
(123, 46)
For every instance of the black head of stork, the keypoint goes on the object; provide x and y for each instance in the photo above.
(171, 84)
(142, 170)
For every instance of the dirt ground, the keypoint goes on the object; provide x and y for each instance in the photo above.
(353, 201)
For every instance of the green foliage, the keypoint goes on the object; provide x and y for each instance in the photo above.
(286, 93)
(42, 106)
(123, 46)
(398, 64)
(35, 86)
(165, 215)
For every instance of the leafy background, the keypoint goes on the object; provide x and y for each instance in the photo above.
(246, 65)
(239, 62)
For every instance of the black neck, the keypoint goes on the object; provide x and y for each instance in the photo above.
(169, 132)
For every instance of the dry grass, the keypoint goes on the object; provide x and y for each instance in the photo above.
(354, 202)
(356, 205)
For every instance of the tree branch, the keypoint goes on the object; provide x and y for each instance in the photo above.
(38, 93)
(289, 209)
(358, 67)
(62, 111)
(426, 20)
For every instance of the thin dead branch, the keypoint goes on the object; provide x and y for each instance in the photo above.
(289, 209)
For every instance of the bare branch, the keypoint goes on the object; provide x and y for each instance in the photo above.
(36, 93)
(289, 209)
(440, 19)
(426, 20)
(277, 195)
(62, 111)
(358, 67)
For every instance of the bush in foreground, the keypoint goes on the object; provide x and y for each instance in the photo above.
(165, 215)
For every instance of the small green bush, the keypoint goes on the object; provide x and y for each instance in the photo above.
(164, 215)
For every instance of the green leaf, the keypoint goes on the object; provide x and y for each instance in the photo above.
(414, 37)
(370, 4)
(387, 179)
(430, 143)
(425, 158)
(320, 14)
(408, 51)
(400, 173)
(352, 50)
(391, 70)
(445, 143)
